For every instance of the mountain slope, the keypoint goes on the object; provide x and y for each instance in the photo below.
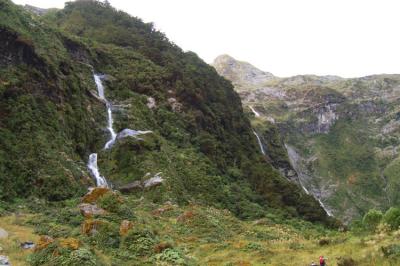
(52, 117)
(341, 135)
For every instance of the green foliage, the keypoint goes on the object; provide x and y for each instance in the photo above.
(391, 251)
(50, 122)
(170, 255)
(139, 242)
(371, 219)
(106, 235)
(110, 201)
(67, 257)
(392, 218)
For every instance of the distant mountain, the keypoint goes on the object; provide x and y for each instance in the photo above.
(242, 74)
(341, 136)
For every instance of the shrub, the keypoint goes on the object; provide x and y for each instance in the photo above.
(65, 256)
(346, 261)
(80, 257)
(139, 242)
(170, 255)
(110, 201)
(392, 218)
(371, 219)
(106, 235)
(391, 251)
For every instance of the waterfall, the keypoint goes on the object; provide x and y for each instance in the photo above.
(94, 170)
(257, 114)
(259, 143)
(92, 164)
(298, 165)
(323, 207)
(110, 121)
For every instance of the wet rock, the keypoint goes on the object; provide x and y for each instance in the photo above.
(132, 133)
(27, 245)
(44, 242)
(4, 261)
(156, 180)
(134, 186)
(94, 194)
(125, 227)
(90, 210)
(3, 233)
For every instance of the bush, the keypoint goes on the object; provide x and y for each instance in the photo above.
(391, 251)
(110, 201)
(66, 257)
(346, 261)
(170, 255)
(80, 257)
(392, 218)
(139, 242)
(371, 219)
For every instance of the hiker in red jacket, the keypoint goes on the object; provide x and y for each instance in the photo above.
(322, 261)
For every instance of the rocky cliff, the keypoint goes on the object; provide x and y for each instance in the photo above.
(341, 135)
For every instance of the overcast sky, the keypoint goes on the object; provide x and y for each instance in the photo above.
(286, 37)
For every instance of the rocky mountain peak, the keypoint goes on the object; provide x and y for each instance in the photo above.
(241, 73)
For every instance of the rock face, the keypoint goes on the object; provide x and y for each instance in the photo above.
(4, 261)
(90, 210)
(94, 194)
(242, 74)
(341, 136)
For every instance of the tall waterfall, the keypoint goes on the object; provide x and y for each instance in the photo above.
(92, 164)
(110, 121)
(259, 143)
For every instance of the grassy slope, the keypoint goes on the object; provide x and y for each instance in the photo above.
(196, 235)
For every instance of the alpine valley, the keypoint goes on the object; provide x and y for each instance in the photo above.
(119, 148)
(337, 138)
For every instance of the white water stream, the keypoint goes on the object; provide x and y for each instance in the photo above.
(259, 143)
(257, 114)
(110, 121)
(92, 164)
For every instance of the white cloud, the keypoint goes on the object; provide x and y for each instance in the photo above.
(286, 37)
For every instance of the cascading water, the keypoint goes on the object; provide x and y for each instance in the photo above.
(92, 164)
(94, 170)
(323, 207)
(259, 143)
(110, 121)
(257, 114)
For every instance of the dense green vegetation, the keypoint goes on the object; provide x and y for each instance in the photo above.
(202, 142)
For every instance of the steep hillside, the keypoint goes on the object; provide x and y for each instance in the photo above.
(341, 135)
(52, 117)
